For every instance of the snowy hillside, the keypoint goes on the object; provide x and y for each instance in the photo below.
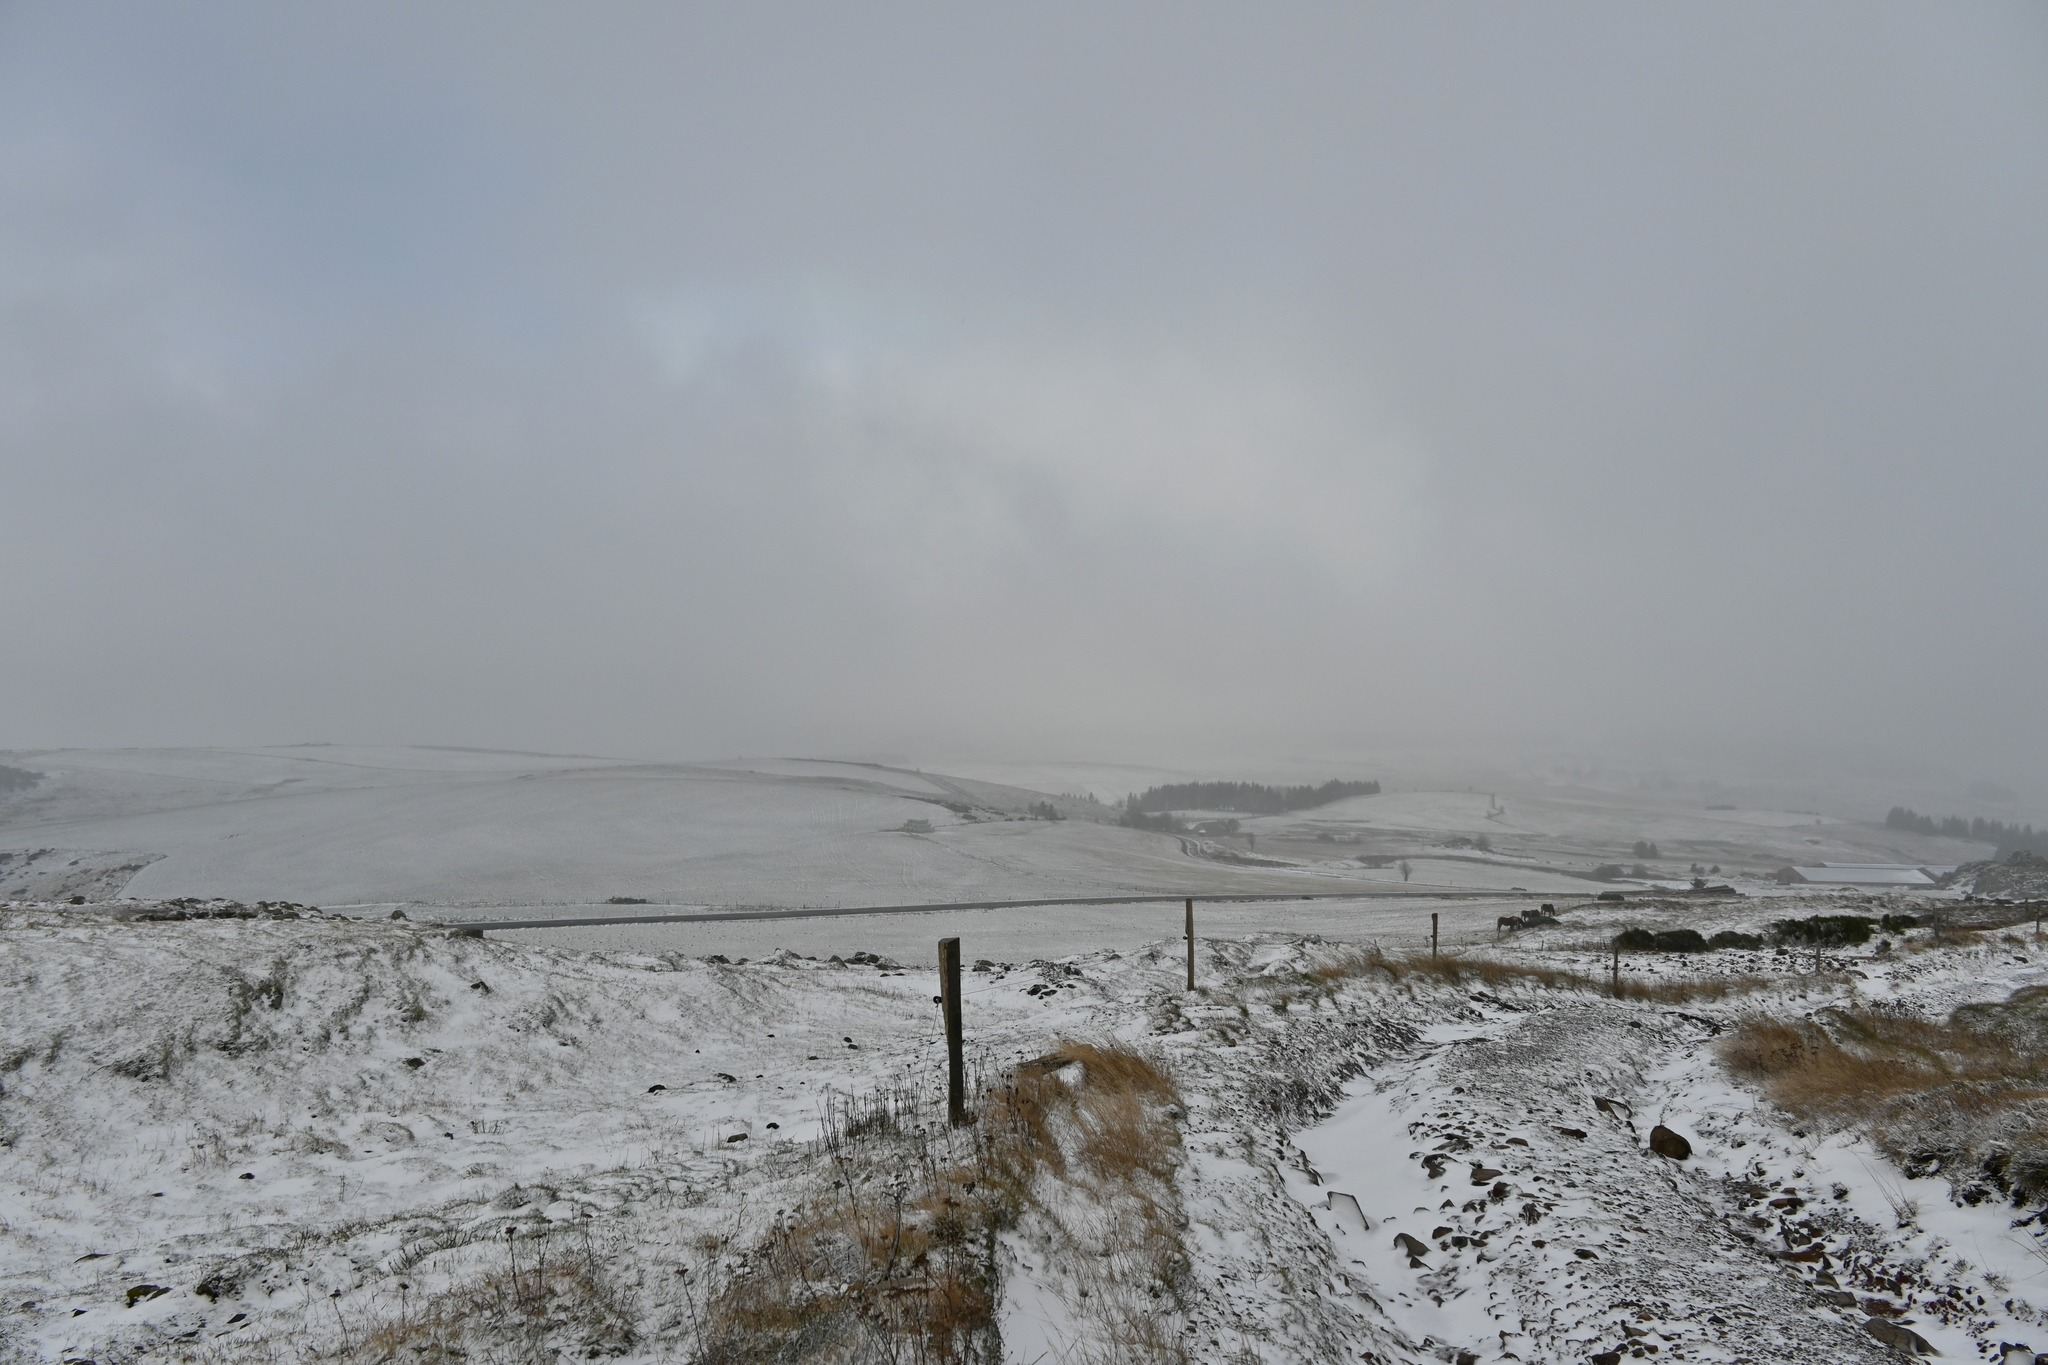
(279, 1136)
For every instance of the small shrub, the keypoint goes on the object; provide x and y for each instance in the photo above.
(1660, 941)
(1729, 938)
(1824, 931)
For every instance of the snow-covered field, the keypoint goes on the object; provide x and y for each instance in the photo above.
(289, 1136)
(335, 825)
(338, 825)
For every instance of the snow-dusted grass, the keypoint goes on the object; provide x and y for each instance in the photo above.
(1966, 1095)
(1156, 1174)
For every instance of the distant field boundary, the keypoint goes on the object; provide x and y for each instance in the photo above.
(748, 916)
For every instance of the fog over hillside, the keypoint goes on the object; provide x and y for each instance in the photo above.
(1116, 684)
(1222, 392)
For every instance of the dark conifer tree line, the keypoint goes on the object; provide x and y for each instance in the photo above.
(1250, 798)
(2007, 838)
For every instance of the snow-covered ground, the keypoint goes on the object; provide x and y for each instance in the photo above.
(341, 825)
(289, 1136)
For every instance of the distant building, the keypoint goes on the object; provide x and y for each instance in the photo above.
(1899, 876)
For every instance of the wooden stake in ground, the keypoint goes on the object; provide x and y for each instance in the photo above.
(1432, 933)
(949, 1003)
(1191, 943)
(1617, 971)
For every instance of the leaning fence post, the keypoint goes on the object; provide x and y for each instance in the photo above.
(1191, 943)
(949, 1002)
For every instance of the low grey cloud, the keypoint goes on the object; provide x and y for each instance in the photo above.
(1081, 380)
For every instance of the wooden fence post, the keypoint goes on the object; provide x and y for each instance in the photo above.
(1432, 934)
(1191, 943)
(949, 1002)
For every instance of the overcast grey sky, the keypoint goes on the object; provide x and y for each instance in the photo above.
(1139, 382)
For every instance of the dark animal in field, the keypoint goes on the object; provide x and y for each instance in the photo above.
(1528, 919)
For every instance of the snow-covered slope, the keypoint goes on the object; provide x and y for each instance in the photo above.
(273, 1137)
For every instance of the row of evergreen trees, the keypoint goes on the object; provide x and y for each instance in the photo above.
(1250, 798)
(2007, 838)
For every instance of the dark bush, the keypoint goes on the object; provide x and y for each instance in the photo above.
(1660, 941)
(1824, 931)
(1728, 938)
(1898, 924)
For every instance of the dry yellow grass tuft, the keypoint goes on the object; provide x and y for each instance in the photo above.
(552, 1295)
(899, 1261)
(1967, 1096)
(1453, 969)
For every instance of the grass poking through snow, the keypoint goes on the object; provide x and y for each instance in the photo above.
(901, 1257)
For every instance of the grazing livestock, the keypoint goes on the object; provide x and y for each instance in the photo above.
(1528, 919)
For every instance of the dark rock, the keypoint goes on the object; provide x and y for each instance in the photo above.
(480, 986)
(1573, 1132)
(217, 1286)
(143, 1293)
(1411, 1245)
(1607, 1357)
(656, 1089)
(737, 1137)
(1665, 1142)
(1483, 1175)
(1898, 1338)
(415, 1062)
(726, 1077)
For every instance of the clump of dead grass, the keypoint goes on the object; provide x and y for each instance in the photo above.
(899, 1260)
(1469, 971)
(1966, 1096)
(552, 1294)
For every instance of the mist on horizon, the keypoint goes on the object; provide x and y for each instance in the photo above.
(1092, 383)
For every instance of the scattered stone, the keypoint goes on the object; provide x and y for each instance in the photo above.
(143, 1293)
(1899, 1338)
(727, 1077)
(1579, 1133)
(415, 1062)
(737, 1137)
(1666, 1143)
(1483, 1175)
(656, 1089)
(217, 1286)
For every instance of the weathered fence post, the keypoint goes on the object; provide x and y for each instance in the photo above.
(1616, 979)
(949, 1003)
(1432, 935)
(1191, 943)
